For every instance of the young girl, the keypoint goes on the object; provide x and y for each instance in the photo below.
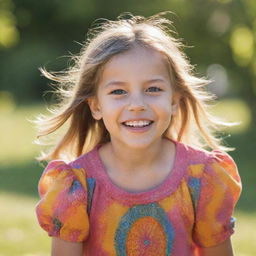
(138, 181)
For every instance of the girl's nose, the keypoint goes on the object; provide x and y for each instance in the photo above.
(137, 104)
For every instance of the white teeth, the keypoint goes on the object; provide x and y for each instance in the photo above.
(137, 123)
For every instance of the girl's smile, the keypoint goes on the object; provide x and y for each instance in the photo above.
(134, 98)
(138, 126)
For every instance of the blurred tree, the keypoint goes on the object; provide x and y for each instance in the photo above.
(9, 35)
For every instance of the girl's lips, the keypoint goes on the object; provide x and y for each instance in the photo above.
(137, 119)
(138, 129)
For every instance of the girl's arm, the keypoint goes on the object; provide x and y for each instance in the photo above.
(223, 249)
(64, 248)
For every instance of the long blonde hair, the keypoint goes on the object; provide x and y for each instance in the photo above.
(192, 125)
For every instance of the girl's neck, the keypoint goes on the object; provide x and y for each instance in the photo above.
(134, 160)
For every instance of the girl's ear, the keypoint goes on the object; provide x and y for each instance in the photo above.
(94, 107)
(175, 108)
(175, 103)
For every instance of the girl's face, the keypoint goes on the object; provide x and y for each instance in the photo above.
(135, 98)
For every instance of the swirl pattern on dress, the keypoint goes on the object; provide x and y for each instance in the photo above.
(144, 230)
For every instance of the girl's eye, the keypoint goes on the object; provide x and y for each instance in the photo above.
(154, 89)
(121, 91)
(118, 92)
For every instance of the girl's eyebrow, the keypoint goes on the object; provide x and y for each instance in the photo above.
(121, 83)
(114, 82)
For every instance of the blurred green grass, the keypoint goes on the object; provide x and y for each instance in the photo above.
(19, 173)
(20, 233)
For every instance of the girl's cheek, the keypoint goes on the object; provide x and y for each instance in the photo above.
(120, 102)
(164, 103)
(115, 105)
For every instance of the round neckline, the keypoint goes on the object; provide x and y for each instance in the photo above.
(167, 186)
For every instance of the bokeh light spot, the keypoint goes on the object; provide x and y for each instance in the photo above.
(9, 35)
(242, 44)
(219, 22)
(220, 83)
(234, 110)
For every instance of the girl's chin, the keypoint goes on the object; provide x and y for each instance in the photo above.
(138, 144)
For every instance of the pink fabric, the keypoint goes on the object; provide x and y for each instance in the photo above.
(192, 208)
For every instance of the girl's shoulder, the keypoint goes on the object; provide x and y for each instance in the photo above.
(62, 205)
(79, 169)
(89, 162)
(199, 162)
(193, 155)
(65, 192)
(215, 186)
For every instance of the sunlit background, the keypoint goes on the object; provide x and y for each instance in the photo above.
(221, 38)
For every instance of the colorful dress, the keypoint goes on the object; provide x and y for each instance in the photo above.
(190, 209)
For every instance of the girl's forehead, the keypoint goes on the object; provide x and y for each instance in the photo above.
(138, 53)
(138, 61)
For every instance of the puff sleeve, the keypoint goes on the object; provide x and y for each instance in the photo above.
(220, 189)
(62, 209)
